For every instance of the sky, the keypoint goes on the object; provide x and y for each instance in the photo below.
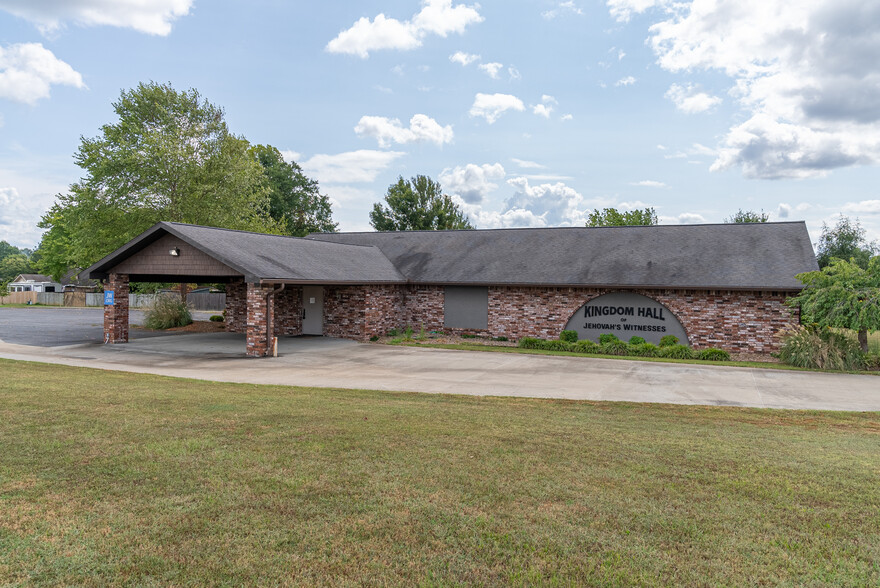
(529, 112)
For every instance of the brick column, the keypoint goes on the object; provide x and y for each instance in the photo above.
(116, 315)
(236, 307)
(257, 317)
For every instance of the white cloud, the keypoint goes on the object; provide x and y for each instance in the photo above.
(685, 218)
(542, 110)
(290, 156)
(650, 184)
(806, 74)
(568, 7)
(627, 81)
(363, 165)
(492, 106)
(566, 117)
(783, 210)
(690, 100)
(525, 164)
(387, 131)
(153, 17)
(472, 183)
(623, 10)
(491, 69)
(463, 58)
(28, 70)
(514, 74)
(863, 207)
(437, 17)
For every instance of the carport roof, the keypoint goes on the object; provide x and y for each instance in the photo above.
(274, 258)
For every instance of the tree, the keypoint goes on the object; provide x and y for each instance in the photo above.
(11, 266)
(842, 295)
(611, 217)
(748, 216)
(168, 157)
(845, 241)
(294, 200)
(417, 205)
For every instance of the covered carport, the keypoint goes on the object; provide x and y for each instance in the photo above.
(275, 285)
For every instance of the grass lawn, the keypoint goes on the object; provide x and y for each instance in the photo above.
(117, 478)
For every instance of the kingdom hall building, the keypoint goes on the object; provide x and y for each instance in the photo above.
(721, 285)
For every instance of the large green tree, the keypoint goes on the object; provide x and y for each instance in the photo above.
(169, 156)
(294, 199)
(11, 266)
(611, 217)
(747, 216)
(846, 240)
(417, 204)
(842, 295)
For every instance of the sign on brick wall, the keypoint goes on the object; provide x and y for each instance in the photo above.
(626, 315)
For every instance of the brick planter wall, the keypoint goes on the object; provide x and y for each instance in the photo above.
(116, 315)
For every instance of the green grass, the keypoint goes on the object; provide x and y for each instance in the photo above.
(111, 478)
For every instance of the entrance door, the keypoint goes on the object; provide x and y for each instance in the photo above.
(313, 310)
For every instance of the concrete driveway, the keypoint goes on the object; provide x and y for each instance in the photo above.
(325, 362)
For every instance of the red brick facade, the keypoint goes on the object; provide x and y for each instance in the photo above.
(116, 315)
(731, 320)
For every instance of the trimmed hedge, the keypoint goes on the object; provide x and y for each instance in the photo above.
(569, 336)
(614, 346)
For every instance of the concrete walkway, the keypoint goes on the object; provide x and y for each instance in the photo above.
(338, 363)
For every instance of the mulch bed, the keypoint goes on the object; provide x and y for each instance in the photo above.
(193, 327)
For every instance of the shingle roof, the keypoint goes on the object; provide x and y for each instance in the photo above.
(764, 256)
(269, 257)
(35, 278)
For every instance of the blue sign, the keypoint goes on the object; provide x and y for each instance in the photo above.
(108, 298)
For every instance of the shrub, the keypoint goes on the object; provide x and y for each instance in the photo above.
(872, 362)
(501, 338)
(676, 351)
(643, 349)
(468, 336)
(216, 318)
(393, 332)
(607, 338)
(569, 336)
(529, 343)
(167, 312)
(713, 354)
(587, 346)
(557, 345)
(636, 340)
(667, 340)
(822, 348)
(615, 347)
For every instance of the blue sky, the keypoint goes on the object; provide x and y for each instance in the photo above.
(530, 113)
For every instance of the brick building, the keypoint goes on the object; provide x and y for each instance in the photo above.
(719, 285)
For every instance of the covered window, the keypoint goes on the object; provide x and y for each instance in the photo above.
(466, 307)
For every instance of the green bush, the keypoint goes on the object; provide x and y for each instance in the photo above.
(166, 312)
(374, 338)
(676, 352)
(615, 347)
(636, 340)
(216, 318)
(468, 336)
(501, 338)
(872, 361)
(643, 349)
(529, 343)
(557, 345)
(569, 336)
(587, 346)
(667, 340)
(713, 354)
(821, 348)
(607, 338)
(393, 332)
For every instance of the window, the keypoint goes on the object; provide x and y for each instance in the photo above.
(466, 307)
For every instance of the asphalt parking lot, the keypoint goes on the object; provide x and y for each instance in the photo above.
(73, 337)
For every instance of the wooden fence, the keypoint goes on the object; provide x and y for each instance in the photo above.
(195, 300)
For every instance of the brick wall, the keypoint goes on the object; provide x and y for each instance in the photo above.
(288, 311)
(384, 309)
(345, 311)
(424, 306)
(116, 315)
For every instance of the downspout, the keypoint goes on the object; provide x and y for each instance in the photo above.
(270, 315)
